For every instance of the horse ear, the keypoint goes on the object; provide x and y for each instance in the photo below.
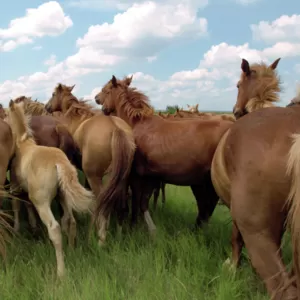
(59, 87)
(245, 67)
(274, 64)
(114, 81)
(70, 88)
(11, 104)
(128, 80)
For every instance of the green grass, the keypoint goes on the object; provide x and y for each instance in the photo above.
(179, 264)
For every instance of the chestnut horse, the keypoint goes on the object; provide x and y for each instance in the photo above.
(175, 152)
(249, 173)
(106, 143)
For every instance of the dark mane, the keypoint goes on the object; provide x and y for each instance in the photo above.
(135, 104)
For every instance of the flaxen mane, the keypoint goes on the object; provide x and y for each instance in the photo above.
(268, 86)
(31, 107)
(79, 108)
(135, 104)
(19, 122)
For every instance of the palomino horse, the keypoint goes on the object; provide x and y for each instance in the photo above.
(175, 152)
(42, 172)
(105, 143)
(50, 132)
(249, 173)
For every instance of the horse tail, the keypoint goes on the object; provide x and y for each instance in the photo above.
(75, 194)
(293, 201)
(114, 193)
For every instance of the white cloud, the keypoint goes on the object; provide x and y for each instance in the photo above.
(51, 60)
(134, 32)
(47, 19)
(151, 58)
(285, 28)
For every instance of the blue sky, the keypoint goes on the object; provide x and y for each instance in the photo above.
(179, 51)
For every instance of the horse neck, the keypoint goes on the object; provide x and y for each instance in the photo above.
(73, 122)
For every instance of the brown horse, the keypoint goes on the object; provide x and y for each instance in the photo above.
(7, 150)
(175, 152)
(249, 173)
(106, 143)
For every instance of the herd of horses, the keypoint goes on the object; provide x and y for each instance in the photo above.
(249, 159)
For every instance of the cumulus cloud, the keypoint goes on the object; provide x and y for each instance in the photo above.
(50, 61)
(48, 19)
(285, 28)
(144, 29)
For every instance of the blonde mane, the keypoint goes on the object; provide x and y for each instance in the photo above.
(19, 123)
(134, 104)
(77, 108)
(34, 108)
(269, 87)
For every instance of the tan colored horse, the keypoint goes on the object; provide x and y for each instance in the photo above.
(249, 173)
(105, 143)
(175, 152)
(40, 171)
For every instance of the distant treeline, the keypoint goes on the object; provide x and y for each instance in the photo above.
(172, 109)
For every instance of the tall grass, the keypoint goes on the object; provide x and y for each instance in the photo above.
(180, 264)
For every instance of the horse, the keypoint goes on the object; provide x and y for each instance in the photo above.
(43, 171)
(106, 144)
(175, 152)
(255, 171)
(296, 99)
(7, 149)
(193, 108)
(50, 132)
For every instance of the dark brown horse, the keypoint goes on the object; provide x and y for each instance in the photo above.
(249, 173)
(175, 152)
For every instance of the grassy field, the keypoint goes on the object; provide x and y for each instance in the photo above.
(179, 264)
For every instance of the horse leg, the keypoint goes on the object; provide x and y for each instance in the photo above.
(237, 244)
(163, 186)
(95, 182)
(147, 190)
(3, 180)
(68, 222)
(206, 198)
(155, 197)
(54, 232)
(262, 229)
